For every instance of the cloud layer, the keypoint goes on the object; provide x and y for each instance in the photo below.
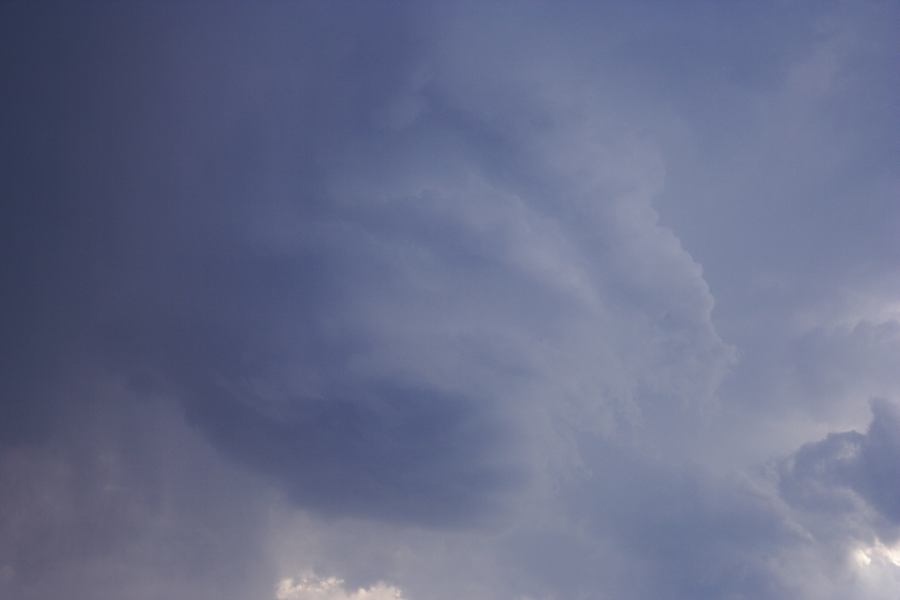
(450, 300)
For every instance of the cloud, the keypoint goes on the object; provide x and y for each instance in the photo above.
(332, 588)
(483, 302)
(314, 302)
(128, 502)
(839, 492)
(832, 474)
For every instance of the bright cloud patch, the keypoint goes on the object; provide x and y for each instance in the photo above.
(879, 554)
(332, 588)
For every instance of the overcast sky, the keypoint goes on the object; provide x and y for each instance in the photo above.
(450, 300)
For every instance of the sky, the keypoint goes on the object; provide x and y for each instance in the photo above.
(435, 300)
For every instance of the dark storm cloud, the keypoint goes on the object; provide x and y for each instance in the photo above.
(140, 144)
(153, 240)
(402, 454)
(129, 212)
(425, 293)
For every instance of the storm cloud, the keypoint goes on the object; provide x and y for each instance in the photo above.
(450, 300)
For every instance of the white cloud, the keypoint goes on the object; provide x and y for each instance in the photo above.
(311, 587)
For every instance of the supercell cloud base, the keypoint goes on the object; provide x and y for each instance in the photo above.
(442, 300)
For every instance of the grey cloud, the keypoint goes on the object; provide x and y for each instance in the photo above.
(128, 502)
(387, 452)
(831, 474)
(422, 286)
(144, 235)
(689, 533)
